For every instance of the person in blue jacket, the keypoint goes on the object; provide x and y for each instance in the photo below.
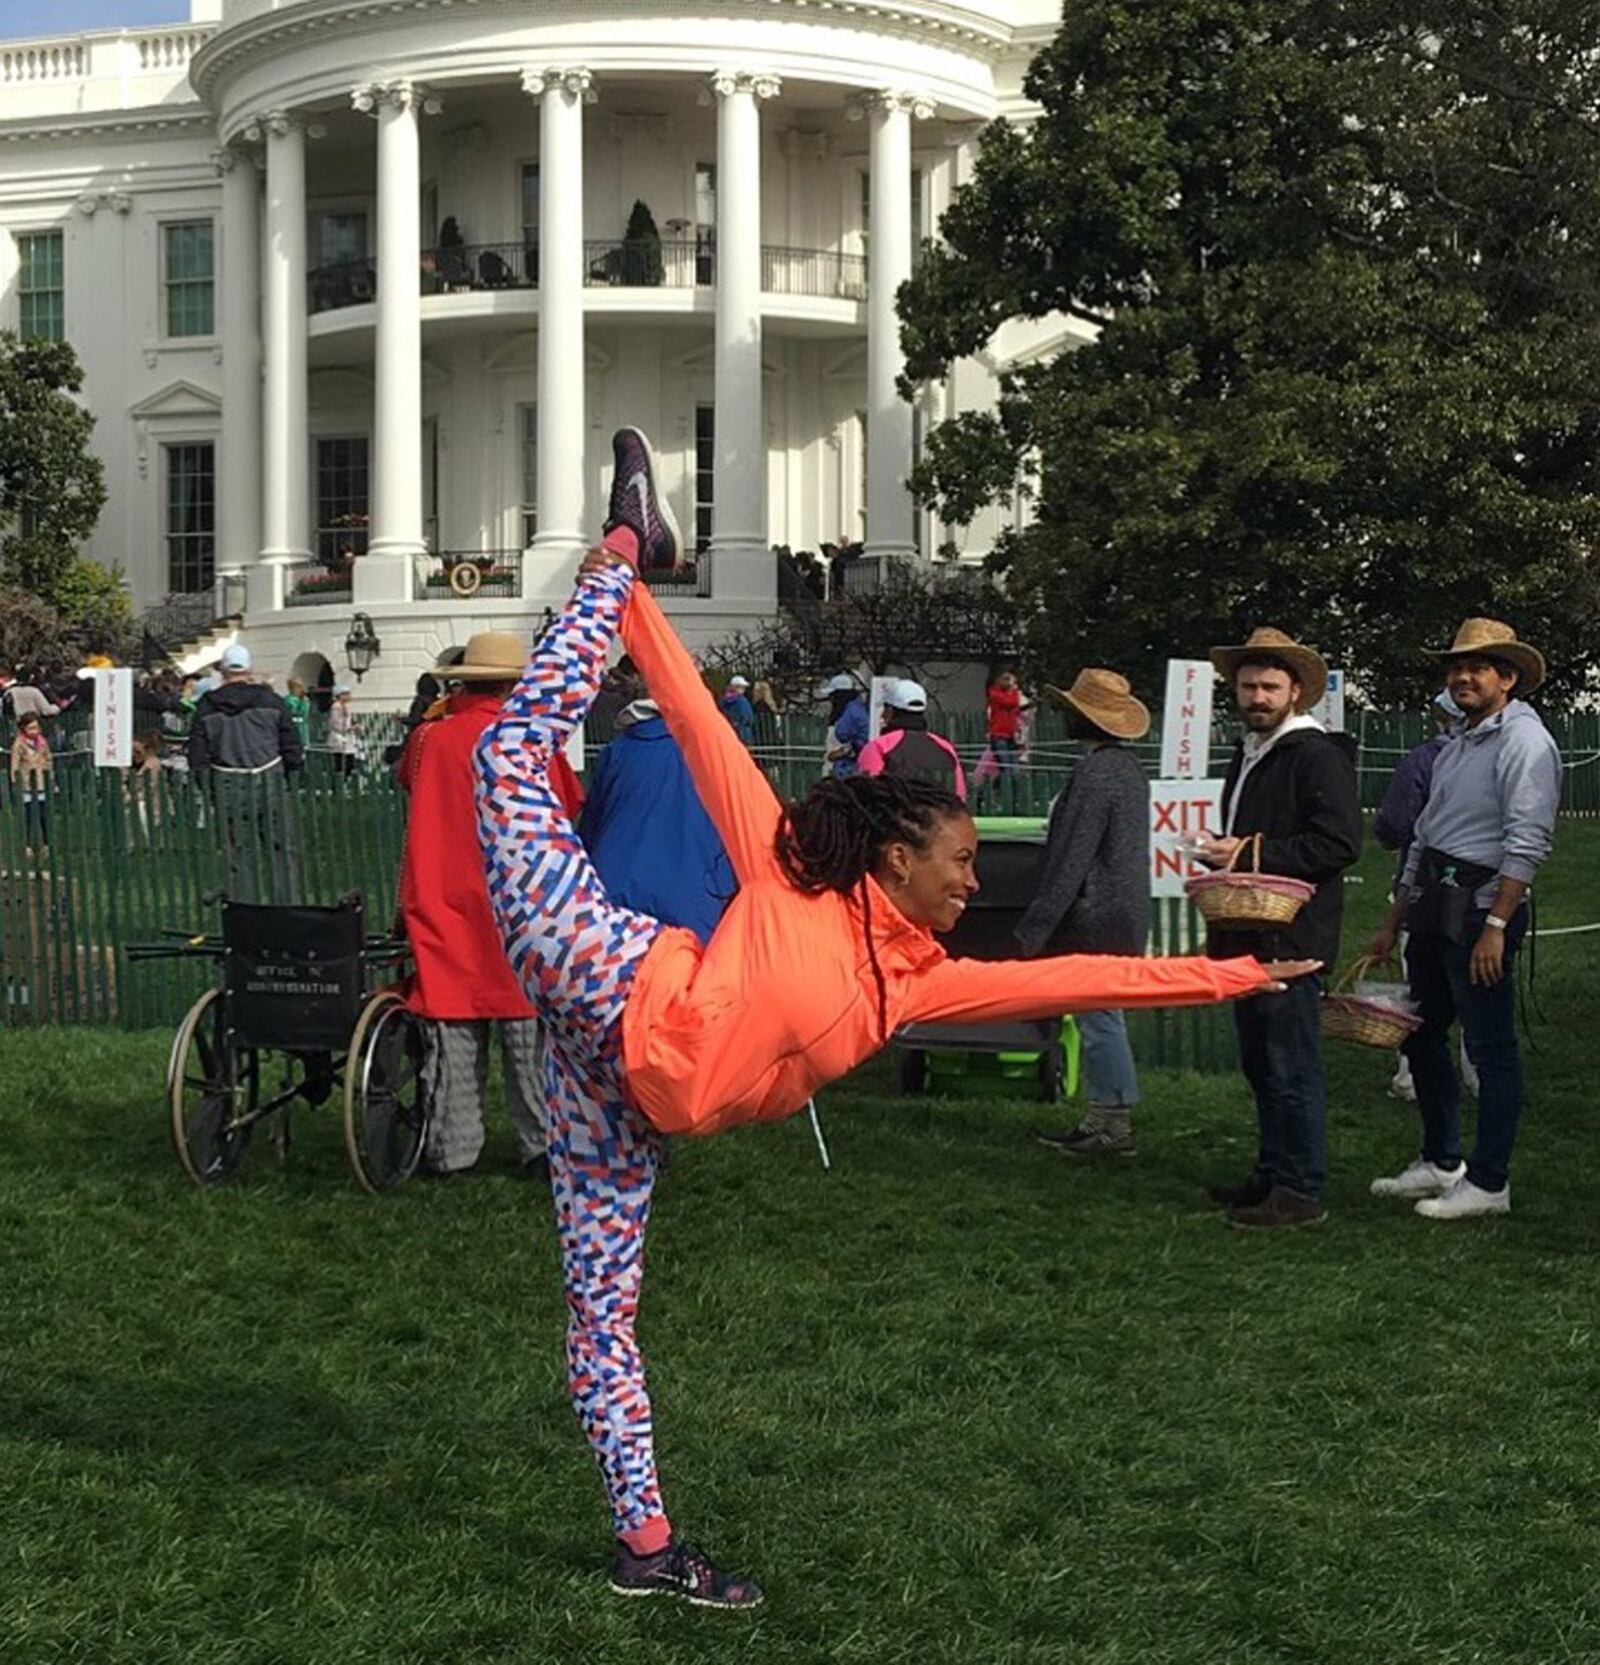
(849, 725)
(647, 832)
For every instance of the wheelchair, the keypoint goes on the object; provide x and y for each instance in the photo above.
(292, 1019)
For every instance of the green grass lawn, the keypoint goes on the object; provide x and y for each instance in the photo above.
(959, 1400)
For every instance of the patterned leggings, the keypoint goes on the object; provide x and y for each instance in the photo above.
(576, 954)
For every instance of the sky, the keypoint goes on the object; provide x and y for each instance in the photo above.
(68, 17)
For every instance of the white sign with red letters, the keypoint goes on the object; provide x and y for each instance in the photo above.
(1186, 719)
(1181, 812)
(113, 718)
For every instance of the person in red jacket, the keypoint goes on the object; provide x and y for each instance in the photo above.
(463, 986)
(1005, 706)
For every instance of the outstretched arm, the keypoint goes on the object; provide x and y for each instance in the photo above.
(995, 991)
(737, 796)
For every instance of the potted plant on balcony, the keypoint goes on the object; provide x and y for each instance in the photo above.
(641, 250)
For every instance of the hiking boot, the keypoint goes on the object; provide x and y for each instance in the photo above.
(1422, 1179)
(681, 1570)
(637, 505)
(1279, 1209)
(1246, 1194)
(1102, 1132)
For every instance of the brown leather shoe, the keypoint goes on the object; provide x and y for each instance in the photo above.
(1246, 1194)
(1278, 1208)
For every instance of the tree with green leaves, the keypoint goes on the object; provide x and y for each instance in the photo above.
(52, 489)
(1343, 262)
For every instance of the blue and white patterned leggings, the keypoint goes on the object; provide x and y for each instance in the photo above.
(576, 954)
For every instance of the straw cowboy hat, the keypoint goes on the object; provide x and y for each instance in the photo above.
(1489, 639)
(1106, 699)
(1306, 665)
(490, 656)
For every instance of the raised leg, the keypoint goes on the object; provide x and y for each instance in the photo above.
(572, 948)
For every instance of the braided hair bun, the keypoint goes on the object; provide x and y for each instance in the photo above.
(832, 838)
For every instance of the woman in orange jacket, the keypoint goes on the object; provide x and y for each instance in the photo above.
(826, 950)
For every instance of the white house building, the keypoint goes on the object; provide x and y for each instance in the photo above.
(358, 303)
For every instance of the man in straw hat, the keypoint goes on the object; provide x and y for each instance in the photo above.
(1487, 825)
(1094, 892)
(1290, 786)
(463, 985)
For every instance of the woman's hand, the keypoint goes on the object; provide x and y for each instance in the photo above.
(1284, 972)
(599, 560)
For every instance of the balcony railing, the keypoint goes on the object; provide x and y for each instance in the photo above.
(468, 575)
(644, 263)
(633, 263)
(814, 272)
(693, 578)
(311, 584)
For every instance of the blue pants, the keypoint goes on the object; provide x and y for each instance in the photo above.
(1280, 1052)
(1108, 1070)
(1445, 993)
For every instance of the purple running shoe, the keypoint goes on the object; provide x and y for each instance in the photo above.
(681, 1570)
(637, 504)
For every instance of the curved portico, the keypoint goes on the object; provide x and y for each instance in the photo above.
(771, 95)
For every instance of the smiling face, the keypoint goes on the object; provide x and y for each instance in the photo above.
(1266, 696)
(1481, 687)
(932, 885)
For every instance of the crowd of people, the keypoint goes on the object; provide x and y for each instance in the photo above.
(678, 951)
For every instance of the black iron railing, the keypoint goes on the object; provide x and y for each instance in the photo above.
(645, 263)
(817, 272)
(468, 575)
(472, 266)
(632, 263)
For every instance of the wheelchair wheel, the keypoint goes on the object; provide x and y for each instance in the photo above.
(385, 1115)
(212, 1092)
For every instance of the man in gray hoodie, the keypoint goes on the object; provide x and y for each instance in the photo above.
(1487, 825)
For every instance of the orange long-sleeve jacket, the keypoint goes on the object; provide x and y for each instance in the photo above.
(783, 999)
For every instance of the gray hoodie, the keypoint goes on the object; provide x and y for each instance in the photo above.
(1496, 789)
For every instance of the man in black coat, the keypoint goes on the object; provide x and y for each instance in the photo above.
(1292, 785)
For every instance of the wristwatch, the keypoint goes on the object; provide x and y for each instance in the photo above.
(1490, 923)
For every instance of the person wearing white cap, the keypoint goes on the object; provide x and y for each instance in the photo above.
(736, 707)
(907, 747)
(243, 746)
(849, 727)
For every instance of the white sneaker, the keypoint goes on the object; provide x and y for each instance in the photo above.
(1462, 1201)
(1422, 1179)
(1402, 1087)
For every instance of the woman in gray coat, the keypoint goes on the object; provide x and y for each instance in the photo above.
(1094, 894)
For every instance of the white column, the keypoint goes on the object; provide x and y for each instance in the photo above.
(286, 463)
(741, 565)
(239, 521)
(889, 427)
(563, 534)
(395, 541)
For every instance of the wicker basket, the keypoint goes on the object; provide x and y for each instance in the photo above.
(1347, 1017)
(1253, 898)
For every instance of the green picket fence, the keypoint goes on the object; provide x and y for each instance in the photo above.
(128, 858)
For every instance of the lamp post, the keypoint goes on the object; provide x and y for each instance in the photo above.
(361, 646)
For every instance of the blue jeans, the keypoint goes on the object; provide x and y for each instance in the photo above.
(1280, 1052)
(1108, 1071)
(1444, 992)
